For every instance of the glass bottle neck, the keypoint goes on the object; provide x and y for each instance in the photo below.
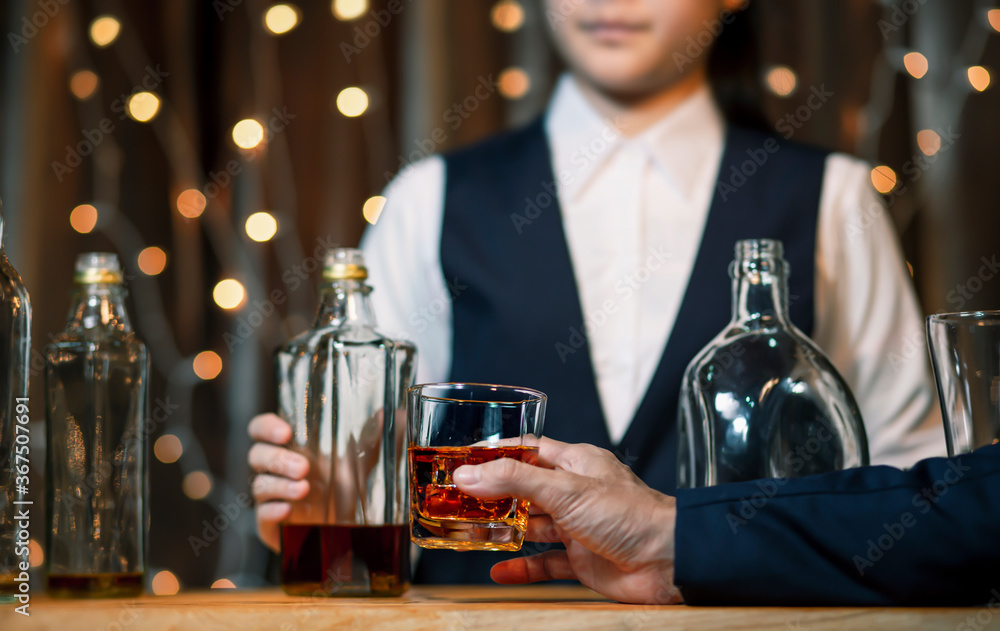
(760, 299)
(345, 303)
(99, 306)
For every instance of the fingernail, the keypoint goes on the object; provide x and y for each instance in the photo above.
(466, 475)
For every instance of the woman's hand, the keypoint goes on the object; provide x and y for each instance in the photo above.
(618, 533)
(280, 477)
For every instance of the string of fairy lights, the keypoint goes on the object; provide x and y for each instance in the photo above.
(178, 444)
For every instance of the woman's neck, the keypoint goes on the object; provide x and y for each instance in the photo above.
(635, 114)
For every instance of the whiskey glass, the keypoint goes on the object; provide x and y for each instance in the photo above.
(453, 424)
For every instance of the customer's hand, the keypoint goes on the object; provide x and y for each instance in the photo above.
(280, 476)
(618, 533)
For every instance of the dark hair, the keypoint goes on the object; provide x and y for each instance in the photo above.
(735, 70)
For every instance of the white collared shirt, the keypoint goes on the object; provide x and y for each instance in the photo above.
(634, 210)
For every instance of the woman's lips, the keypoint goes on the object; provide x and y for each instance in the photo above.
(613, 31)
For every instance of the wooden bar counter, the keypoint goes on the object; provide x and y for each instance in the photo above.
(435, 608)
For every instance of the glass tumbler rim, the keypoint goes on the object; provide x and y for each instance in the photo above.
(530, 395)
(982, 316)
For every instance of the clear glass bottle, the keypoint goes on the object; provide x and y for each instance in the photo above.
(96, 391)
(761, 400)
(15, 349)
(342, 387)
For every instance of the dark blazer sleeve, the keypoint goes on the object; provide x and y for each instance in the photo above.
(872, 536)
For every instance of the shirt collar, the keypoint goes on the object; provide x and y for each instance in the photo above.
(685, 146)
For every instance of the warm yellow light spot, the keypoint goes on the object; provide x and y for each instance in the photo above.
(223, 583)
(373, 208)
(197, 485)
(104, 30)
(191, 203)
(248, 133)
(909, 267)
(883, 179)
(36, 556)
(143, 106)
(507, 15)
(282, 18)
(83, 218)
(993, 15)
(229, 293)
(349, 9)
(207, 365)
(979, 78)
(83, 84)
(152, 261)
(352, 102)
(165, 584)
(916, 64)
(261, 226)
(168, 448)
(928, 141)
(781, 80)
(514, 83)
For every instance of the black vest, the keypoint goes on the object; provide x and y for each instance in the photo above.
(517, 318)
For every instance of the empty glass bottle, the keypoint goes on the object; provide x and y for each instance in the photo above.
(761, 400)
(15, 348)
(96, 390)
(342, 388)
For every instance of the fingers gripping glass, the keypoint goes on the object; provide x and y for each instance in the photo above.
(453, 424)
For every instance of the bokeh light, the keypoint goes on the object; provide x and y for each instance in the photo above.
(197, 485)
(352, 101)
(104, 30)
(993, 15)
(514, 83)
(781, 80)
(229, 293)
(916, 64)
(207, 365)
(152, 261)
(191, 203)
(83, 218)
(929, 141)
(261, 226)
(223, 583)
(507, 15)
(281, 18)
(373, 208)
(248, 133)
(83, 84)
(143, 106)
(348, 9)
(165, 584)
(168, 448)
(979, 78)
(883, 179)
(36, 555)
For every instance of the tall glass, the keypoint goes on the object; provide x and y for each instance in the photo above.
(96, 393)
(341, 386)
(453, 424)
(965, 352)
(15, 347)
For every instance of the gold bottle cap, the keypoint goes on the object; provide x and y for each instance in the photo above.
(98, 268)
(344, 264)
